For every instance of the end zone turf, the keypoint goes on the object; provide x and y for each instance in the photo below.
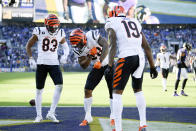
(162, 119)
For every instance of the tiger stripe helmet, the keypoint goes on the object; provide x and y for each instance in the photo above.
(52, 23)
(111, 13)
(118, 10)
(78, 38)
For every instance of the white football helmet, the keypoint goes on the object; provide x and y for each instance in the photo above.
(141, 12)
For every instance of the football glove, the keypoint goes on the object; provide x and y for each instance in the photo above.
(153, 73)
(109, 71)
(63, 59)
(93, 51)
(97, 65)
(32, 63)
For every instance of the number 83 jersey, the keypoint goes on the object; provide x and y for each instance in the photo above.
(47, 45)
(128, 34)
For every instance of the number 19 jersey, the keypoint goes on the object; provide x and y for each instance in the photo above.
(47, 45)
(128, 34)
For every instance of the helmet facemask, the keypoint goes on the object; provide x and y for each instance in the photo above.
(78, 40)
(52, 29)
(79, 47)
(52, 23)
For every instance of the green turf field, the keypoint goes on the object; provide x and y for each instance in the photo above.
(16, 89)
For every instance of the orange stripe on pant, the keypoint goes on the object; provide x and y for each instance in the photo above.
(118, 67)
(117, 74)
(117, 80)
(121, 60)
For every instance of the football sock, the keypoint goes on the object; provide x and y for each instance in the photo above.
(111, 109)
(117, 109)
(176, 84)
(87, 107)
(164, 83)
(184, 83)
(38, 101)
(141, 105)
(56, 97)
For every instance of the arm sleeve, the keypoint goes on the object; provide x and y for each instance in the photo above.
(65, 49)
(109, 24)
(95, 35)
(36, 31)
(63, 33)
(83, 53)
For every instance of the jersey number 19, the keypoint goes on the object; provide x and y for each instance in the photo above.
(130, 25)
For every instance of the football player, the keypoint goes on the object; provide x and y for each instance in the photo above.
(91, 47)
(182, 65)
(125, 35)
(48, 39)
(163, 59)
(194, 67)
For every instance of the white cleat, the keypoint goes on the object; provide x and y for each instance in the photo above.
(38, 119)
(51, 116)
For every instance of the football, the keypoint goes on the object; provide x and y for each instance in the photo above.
(32, 102)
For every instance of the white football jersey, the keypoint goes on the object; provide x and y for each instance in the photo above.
(128, 33)
(164, 59)
(48, 45)
(92, 41)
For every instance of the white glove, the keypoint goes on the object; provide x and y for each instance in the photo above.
(32, 63)
(63, 59)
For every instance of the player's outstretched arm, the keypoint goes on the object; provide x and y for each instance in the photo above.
(85, 61)
(148, 52)
(113, 46)
(104, 44)
(65, 50)
(30, 43)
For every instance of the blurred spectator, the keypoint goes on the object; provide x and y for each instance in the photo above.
(98, 9)
(3, 56)
(143, 14)
(66, 12)
(109, 4)
(81, 10)
(0, 11)
(129, 6)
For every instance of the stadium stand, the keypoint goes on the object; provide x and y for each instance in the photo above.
(14, 36)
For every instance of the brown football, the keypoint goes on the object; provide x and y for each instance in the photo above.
(32, 102)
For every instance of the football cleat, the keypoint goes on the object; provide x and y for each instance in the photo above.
(175, 94)
(143, 128)
(52, 117)
(38, 119)
(86, 122)
(112, 123)
(183, 94)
